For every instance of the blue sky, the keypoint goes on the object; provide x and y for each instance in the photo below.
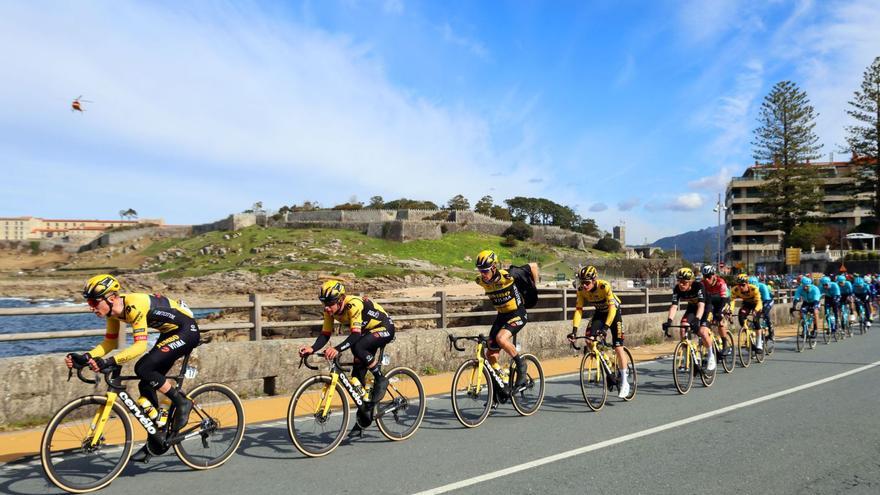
(627, 110)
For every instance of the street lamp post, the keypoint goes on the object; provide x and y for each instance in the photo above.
(718, 209)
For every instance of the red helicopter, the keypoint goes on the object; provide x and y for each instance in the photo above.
(76, 105)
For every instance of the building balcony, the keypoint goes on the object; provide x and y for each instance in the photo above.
(747, 216)
(739, 201)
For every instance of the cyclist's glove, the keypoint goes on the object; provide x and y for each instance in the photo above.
(105, 363)
(80, 359)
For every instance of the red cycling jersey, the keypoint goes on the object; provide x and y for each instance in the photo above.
(719, 288)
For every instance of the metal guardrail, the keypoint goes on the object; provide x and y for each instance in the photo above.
(441, 313)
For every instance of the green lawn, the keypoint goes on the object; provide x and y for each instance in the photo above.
(339, 251)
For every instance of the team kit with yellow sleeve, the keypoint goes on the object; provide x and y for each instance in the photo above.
(751, 298)
(174, 321)
(607, 310)
(504, 295)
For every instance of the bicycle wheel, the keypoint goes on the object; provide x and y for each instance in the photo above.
(401, 410)
(528, 400)
(769, 344)
(315, 428)
(66, 452)
(631, 375)
(706, 376)
(218, 418)
(593, 382)
(472, 390)
(682, 368)
(744, 347)
(826, 330)
(728, 361)
(802, 336)
(761, 354)
(811, 338)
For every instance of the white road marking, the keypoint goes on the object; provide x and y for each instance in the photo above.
(632, 436)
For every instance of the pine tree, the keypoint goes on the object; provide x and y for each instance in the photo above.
(864, 140)
(785, 141)
(458, 202)
(484, 205)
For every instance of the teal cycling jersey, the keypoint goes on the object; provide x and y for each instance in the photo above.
(810, 295)
(766, 295)
(846, 288)
(831, 290)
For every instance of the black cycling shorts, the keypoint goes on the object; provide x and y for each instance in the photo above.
(616, 327)
(513, 322)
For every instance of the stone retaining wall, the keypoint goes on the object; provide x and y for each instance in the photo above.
(32, 388)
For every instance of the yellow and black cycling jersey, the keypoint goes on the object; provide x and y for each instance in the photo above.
(143, 311)
(502, 292)
(750, 295)
(601, 297)
(360, 314)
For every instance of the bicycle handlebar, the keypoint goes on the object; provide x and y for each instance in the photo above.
(79, 373)
(573, 339)
(453, 340)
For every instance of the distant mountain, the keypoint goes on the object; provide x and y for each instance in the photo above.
(693, 244)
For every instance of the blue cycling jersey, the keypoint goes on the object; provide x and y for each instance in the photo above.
(766, 295)
(862, 290)
(832, 290)
(811, 295)
(846, 288)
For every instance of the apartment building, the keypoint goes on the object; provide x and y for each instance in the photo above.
(747, 241)
(34, 229)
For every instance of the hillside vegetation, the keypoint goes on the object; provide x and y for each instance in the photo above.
(268, 250)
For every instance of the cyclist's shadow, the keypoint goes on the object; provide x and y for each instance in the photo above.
(25, 478)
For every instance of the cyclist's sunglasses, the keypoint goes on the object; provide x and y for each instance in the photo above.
(484, 270)
(93, 303)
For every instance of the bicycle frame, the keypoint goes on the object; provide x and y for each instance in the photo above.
(598, 349)
(482, 362)
(688, 337)
(118, 391)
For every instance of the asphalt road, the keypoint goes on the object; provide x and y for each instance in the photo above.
(769, 428)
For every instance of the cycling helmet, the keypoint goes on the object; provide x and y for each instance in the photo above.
(806, 281)
(99, 286)
(708, 271)
(742, 278)
(331, 291)
(685, 274)
(825, 281)
(841, 279)
(486, 260)
(867, 279)
(858, 281)
(588, 273)
(753, 280)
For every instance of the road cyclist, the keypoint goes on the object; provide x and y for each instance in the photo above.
(179, 336)
(766, 303)
(831, 294)
(370, 328)
(847, 303)
(811, 296)
(500, 286)
(687, 290)
(606, 315)
(862, 296)
(717, 303)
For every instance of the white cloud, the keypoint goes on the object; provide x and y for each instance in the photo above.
(682, 202)
(628, 204)
(716, 182)
(597, 207)
(393, 6)
(310, 110)
(627, 72)
(451, 37)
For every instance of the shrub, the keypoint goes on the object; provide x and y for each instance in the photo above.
(509, 241)
(519, 230)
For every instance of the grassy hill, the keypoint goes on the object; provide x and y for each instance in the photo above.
(267, 250)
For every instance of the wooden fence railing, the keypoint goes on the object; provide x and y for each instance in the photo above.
(648, 301)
